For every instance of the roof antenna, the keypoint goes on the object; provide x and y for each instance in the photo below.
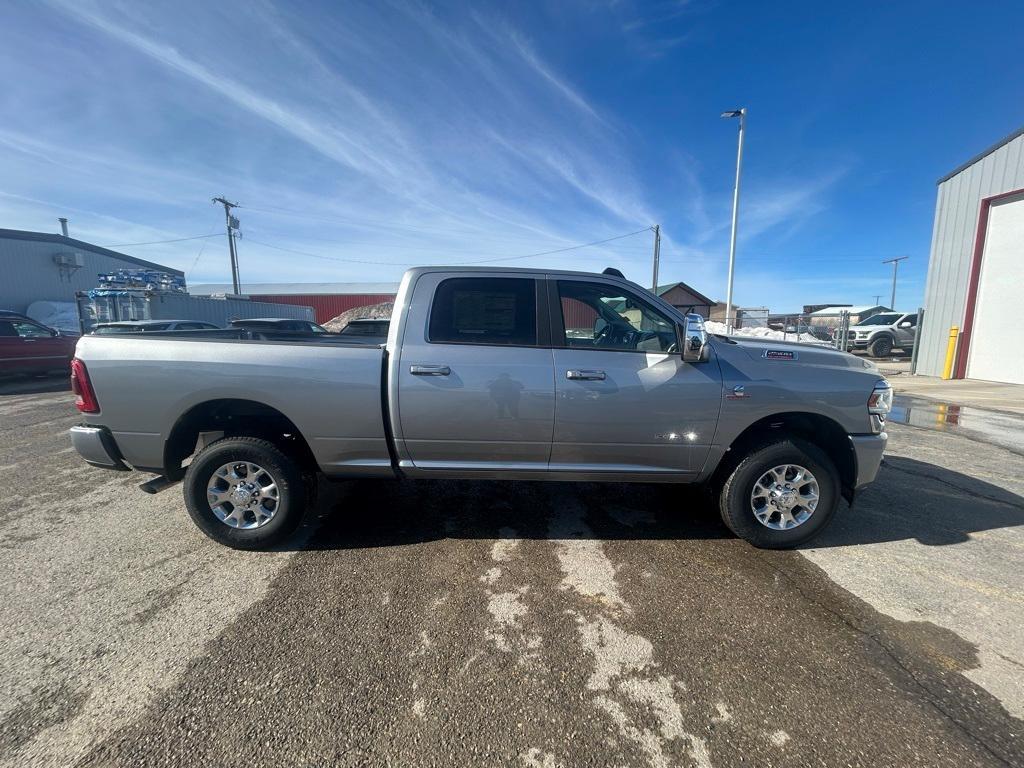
(613, 272)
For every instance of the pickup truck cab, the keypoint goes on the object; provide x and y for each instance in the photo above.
(280, 325)
(489, 374)
(366, 331)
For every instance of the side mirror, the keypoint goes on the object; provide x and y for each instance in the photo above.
(906, 324)
(695, 339)
(55, 332)
(599, 325)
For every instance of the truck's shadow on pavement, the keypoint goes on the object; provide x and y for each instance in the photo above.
(910, 500)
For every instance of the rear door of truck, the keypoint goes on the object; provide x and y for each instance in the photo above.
(474, 377)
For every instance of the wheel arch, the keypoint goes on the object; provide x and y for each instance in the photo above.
(234, 417)
(824, 432)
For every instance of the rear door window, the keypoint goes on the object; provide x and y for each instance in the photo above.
(484, 310)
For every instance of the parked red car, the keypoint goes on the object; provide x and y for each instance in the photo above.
(28, 347)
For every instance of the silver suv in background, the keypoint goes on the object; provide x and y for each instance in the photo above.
(882, 333)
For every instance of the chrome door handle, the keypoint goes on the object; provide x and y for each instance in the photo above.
(430, 370)
(585, 375)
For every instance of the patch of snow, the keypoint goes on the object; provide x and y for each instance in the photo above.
(763, 333)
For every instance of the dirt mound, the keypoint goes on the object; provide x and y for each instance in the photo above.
(380, 311)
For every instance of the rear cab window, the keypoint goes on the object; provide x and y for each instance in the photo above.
(485, 311)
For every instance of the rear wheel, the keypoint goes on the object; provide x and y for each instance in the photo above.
(781, 494)
(244, 492)
(881, 347)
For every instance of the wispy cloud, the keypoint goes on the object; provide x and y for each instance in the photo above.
(389, 133)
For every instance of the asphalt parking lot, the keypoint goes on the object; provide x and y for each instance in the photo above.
(520, 624)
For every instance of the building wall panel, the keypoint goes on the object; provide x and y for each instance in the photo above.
(958, 205)
(28, 272)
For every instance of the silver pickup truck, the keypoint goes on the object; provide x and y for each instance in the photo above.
(488, 374)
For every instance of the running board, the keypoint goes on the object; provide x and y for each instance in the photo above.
(157, 484)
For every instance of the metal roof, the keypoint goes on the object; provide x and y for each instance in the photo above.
(982, 155)
(47, 237)
(661, 290)
(296, 289)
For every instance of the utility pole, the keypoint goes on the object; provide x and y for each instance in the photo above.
(657, 257)
(742, 115)
(878, 298)
(895, 266)
(232, 224)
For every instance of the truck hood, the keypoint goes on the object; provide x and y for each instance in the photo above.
(774, 352)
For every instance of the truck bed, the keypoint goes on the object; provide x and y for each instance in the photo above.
(330, 390)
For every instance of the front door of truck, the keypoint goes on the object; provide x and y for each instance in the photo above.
(474, 377)
(26, 346)
(625, 402)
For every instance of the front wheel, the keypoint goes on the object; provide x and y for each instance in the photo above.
(881, 347)
(244, 492)
(781, 494)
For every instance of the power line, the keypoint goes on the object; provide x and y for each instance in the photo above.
(158, 242)
(561, 250)
(391, 226)
(475, 261)
(199, 255)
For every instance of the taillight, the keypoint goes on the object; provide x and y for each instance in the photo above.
(86, 398)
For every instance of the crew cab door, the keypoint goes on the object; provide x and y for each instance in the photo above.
(906, 331)
(625, 402)
(474, 375)
(27, 346)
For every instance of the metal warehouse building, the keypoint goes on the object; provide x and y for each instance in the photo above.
(39, 266)
(976, 268)
(328, 300)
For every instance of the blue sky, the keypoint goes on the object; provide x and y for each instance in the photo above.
(364, 137)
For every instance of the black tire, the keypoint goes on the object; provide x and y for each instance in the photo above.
(291, 495)
(734, 498)
(881, 347)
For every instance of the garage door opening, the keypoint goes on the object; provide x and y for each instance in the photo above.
(994, 352)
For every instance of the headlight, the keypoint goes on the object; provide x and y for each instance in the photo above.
(880, 401)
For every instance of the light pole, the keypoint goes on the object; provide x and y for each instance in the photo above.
(742, 115)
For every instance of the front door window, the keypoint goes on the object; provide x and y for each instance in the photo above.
(603, 316)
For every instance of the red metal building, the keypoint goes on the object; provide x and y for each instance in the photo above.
(328, 300)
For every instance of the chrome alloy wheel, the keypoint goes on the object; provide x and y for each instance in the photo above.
(243, 495)
(784, 497)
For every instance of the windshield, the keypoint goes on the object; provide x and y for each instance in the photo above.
(883, 318)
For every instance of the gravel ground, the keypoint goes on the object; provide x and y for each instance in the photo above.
(528, 624)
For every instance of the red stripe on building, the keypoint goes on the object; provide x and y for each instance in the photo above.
(329, 305)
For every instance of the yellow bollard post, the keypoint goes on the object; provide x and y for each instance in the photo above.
(947, 372)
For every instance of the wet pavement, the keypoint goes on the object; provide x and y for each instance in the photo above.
(1002, 429)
